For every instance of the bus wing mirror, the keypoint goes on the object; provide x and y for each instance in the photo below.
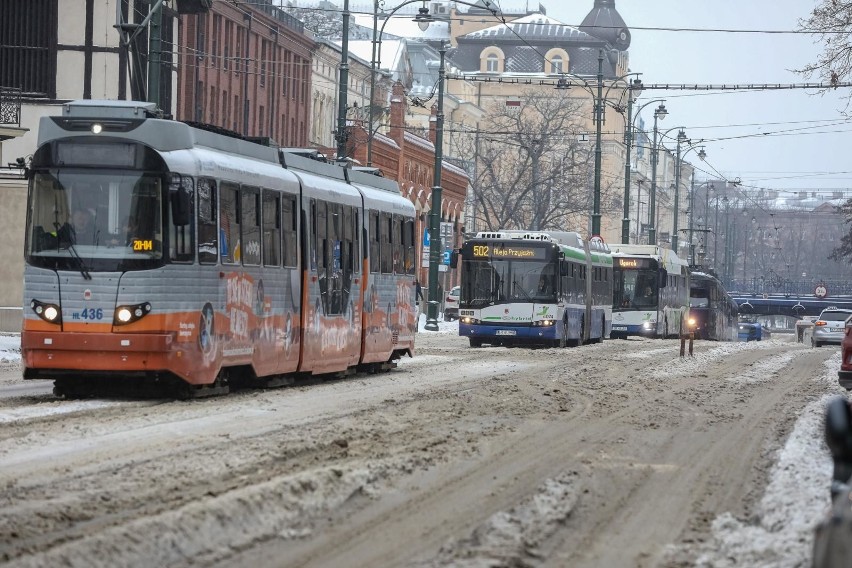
(663, 279)
(181, 206)
(454, 259)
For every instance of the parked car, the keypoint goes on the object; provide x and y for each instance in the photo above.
(451, 304)
(749, 331)
(829, 327)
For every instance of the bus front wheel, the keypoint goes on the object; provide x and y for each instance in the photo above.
(475, 342)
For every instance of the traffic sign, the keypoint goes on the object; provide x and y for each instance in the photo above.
(820, 291)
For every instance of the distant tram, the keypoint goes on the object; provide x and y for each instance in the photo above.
(650, 291)
(534, 288)
(159, 251)
(712, 311)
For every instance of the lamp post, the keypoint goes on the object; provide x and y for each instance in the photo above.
(435, 211)
(681, 138)
(599, 101)
(659, 114)
(630, 129)
(423, 19)
(701, 154)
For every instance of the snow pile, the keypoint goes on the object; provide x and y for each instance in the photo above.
(10, 348)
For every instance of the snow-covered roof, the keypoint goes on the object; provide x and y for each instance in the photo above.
(531, 28)
(405, 26)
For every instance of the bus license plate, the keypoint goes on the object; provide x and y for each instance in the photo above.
(506, 332)
(619, 328)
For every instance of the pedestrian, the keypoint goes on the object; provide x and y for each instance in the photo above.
(418, 299)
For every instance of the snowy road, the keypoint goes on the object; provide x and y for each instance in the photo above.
(618, 454)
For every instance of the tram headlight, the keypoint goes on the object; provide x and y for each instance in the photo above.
(97, 128)
(130, 314)
(48, 312)
(691, 322)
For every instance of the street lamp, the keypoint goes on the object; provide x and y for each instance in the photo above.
(435, 210)
(628, 141)
(423, 19)
(599, 101)
(701, 154)
(659, 114)
(681, 138)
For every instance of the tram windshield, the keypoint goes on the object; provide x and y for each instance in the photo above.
(495, 281)
(635, 289)
(95, 220)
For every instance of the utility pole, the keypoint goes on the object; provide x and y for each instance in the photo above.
(343, 88)
(155, 52)
(435, 246)
(596, 207)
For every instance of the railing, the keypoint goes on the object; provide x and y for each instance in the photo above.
(10, 106)
(805, 288)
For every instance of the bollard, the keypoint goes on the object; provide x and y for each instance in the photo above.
(683, 338)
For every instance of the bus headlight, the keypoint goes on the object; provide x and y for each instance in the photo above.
(648, 325)
(130, 314)
(469, 320)
(543, 323)
(48, 312)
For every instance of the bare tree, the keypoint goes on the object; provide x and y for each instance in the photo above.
(831, 20)
(531, 171)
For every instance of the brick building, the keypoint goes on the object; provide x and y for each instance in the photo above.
(246, 68)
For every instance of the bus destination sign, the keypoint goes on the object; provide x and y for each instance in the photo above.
(509, 252)
(634, 263)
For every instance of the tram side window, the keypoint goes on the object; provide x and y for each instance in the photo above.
(387, 251)
(250, 221)
(408, 245)
(396, 240)
(357, 254)
(271, 228)
(288, 229)
(208, 244)
(181, 237)
(347, 255)
(374, 236)
(229, 232)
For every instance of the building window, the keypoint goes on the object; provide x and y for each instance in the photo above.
(492, 63)
(556, 64)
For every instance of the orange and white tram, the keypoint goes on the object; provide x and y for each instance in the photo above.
(173, 254)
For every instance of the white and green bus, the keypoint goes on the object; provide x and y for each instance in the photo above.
(650, 292)
(534, 288)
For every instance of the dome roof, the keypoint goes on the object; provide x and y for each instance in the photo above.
(604, 22)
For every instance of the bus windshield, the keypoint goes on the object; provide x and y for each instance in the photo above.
(635, 289)
(100, 220)
(487, 282)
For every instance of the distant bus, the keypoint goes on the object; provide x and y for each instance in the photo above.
(650, 291)
(534, 288)
(712, 311)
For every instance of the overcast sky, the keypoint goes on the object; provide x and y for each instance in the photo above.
(811, 158)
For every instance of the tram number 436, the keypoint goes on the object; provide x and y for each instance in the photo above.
(89, 314)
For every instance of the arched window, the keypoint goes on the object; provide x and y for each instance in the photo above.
(492, 63)
(556, 64)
